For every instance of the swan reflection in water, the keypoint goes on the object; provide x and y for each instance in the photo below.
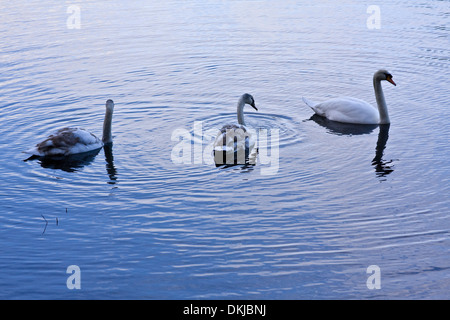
(76, 162)
(341, 128)
(70, 163)
(382, 167)
(110, 168)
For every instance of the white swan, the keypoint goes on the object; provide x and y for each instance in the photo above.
(352, 110)
(68, 141)
(235, 140)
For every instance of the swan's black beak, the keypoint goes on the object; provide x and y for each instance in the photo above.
(389, 79)
(254, 107)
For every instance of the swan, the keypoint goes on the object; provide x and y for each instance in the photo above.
(69, 141)
(352, 110)
(235, 138)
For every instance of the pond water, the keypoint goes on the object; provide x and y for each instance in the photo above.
(141, 222)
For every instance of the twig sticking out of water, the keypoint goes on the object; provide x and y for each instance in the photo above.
(46, 223)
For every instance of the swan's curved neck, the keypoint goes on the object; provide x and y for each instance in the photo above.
(382, 107)
(107, 134)
(240, 112)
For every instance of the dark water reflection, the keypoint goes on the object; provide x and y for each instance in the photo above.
(110, 167)
(71, 163)
(382, 167)
(340, 128)
(76, 162)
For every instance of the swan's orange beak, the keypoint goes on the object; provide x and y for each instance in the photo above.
(389, 79)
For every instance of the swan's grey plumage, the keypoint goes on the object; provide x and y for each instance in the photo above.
(353, 110)
(74, 140)
(235, 138)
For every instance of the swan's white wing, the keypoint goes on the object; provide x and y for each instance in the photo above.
(67, 141)
(348, 110)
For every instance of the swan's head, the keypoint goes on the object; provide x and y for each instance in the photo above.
(384, 75)
(109, 105)
(248, 99)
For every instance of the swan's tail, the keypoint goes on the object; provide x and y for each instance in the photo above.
(309, 103)
(31, 153)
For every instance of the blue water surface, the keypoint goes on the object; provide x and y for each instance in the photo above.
(332, 201)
